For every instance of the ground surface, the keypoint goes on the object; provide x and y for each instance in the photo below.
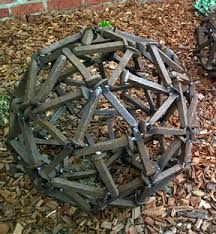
(187, 205)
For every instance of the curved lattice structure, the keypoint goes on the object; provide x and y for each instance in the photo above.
(206, 42)
(103, 118)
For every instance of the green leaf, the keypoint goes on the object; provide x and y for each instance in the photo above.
(105, 23)
(4, 107)
(203, 6)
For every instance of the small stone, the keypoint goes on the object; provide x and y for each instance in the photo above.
(136, 212)
(149, 221)
(4, 228)
(106, 225)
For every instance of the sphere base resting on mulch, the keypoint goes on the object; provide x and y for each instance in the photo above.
(103, 118)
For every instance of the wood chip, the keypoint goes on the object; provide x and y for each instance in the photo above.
(198, 224)
(18, 229)
(155, 211)
(204, 204)
(4, 228)
(118, 227)
(198, 193)
(106, 225)
(52, 204)
(149, 221)
(195, 201)
(136, 212)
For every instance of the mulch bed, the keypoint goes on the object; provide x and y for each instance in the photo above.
(187, 205)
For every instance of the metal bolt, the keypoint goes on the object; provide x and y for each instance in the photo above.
(133, 139)
(135, 129)
(18, 158)
(147, 124)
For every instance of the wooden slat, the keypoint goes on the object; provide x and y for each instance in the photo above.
(30, 144)
(169, 153)
(99, 48)
(78, 187)
(53, 131)
(56, 102)
(158, 62)
(106, 176)
(103, 146)
(87, 117)
(77, 63)
(30, 84)
(62, 43)
(52, 78)
(163, 109)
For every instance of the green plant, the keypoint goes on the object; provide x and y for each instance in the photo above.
(4, 107)
(105, 23)
(204, 6)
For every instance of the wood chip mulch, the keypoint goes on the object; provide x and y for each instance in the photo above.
(187, 205)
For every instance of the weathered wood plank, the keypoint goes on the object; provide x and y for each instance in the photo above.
(51, 80)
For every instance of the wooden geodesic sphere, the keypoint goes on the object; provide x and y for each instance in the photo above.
(102, 118)
(206, 42)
